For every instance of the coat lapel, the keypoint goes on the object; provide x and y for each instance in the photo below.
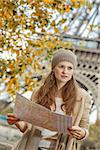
(76, 116)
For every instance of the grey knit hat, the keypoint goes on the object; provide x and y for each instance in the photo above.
(64, 55)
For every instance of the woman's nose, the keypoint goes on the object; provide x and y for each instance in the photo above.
(65, 70)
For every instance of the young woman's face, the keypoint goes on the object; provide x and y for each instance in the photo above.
(63, 71)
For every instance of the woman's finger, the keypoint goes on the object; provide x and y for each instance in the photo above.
(76, 131)
(71, 129)
(11, 115)
(12, 120)
(75, 134)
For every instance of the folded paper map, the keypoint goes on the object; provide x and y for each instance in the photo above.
(40, 116)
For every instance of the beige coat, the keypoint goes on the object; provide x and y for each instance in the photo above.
(80, 118)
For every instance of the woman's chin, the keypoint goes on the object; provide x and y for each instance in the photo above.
(64, 80)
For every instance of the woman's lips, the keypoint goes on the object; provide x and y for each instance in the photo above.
(64, 76)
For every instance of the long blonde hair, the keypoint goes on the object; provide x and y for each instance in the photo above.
(45, 96)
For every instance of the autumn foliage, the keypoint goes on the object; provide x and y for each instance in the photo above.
(28, 36)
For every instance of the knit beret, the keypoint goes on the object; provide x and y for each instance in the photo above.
(64, 55)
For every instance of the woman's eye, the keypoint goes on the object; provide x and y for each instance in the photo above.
(61, 66)
(70, 68)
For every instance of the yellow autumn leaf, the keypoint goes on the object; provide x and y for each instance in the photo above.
(4, 79)
(56, 29)
(6, 15)
(30, 73)
(29, 60)
(68, 8)
(11, 66)
(76, 5)
(30, 88)
(41, 45)
(29, 1)
(17, 52)
(10, 83)
(74, 1)
(50, 44)
(39, 52)
(0, 22)
(28, 80)
(53, 23)
(65, 28)
(17, 84)
(81, 1)
(48, 1)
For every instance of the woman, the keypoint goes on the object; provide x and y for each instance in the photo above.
(61, 93)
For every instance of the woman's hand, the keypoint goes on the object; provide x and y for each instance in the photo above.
(12, 119)
(77, 132)
(22, 126)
